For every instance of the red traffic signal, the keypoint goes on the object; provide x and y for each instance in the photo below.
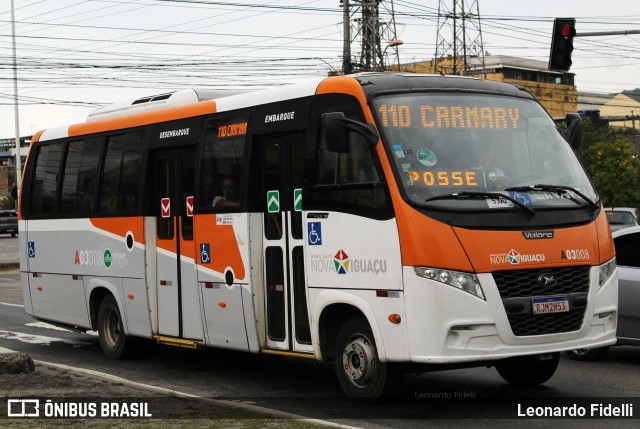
(564, 29)
(567, 30)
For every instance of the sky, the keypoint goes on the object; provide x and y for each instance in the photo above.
(76, 55)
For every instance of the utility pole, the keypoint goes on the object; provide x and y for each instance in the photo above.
(347, 66)
(15, 98)
(365, 26)
(459, 37)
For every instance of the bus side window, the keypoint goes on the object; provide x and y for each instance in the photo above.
(120, 176)
(80, 176)
(45, 180)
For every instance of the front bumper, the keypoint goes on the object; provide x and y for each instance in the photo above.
(447, 325)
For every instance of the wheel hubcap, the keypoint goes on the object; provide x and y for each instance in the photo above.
(359, 362)
(112, 331)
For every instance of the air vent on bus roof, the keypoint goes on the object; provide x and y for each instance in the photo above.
(152, 98)
(155, 102)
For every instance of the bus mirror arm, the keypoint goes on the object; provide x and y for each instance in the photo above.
(336, 130)
(573, 133)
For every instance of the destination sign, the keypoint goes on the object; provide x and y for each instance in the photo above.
(468, 117)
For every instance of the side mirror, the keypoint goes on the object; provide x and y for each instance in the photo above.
(336, 131)
(335, 135)
(573, 134)
(14, 192)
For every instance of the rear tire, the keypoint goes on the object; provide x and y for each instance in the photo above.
(528, 370)
(115, 344)
(360, 372)
(588, 355)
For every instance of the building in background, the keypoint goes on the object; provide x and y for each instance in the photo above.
(591, 101)
(8, 162)
(627, 108)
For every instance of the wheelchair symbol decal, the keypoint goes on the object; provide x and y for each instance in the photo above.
(32, 249)
(314, 233)
(205, 253)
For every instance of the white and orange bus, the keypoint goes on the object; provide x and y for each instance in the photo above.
(381, 222)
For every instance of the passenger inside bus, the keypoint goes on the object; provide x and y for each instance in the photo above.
(229, 197)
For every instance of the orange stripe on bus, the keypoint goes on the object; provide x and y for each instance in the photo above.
(224, 247)
(346, 85)
(607, 249)
(188, 248)
(34, 139)
(120, 226)
(145, 118)
(443, 249)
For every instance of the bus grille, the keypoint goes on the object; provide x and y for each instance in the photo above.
(517, 287)
(541, 324)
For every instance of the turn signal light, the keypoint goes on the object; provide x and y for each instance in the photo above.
(395, 319)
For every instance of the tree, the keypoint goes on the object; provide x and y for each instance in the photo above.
(612, 164)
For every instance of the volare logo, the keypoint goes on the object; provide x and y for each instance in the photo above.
(538, 235)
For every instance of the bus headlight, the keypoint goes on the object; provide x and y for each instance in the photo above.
(606, 270)
(464, 281)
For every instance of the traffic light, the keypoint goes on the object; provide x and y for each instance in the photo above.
(564, 29)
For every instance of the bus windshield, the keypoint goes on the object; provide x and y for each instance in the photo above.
(450, 145)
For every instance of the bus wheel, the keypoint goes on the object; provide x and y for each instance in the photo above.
(528, 370)
(114, 343)
(359, 370)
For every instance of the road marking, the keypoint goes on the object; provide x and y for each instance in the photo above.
(3, 350)
(12, 305)
(39, 339)
(57, 328)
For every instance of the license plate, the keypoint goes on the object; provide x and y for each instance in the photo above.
(553, 304)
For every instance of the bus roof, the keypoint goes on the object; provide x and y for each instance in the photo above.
(192, 102)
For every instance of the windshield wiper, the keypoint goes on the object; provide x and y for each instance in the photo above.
(482, 195)
(555, 188)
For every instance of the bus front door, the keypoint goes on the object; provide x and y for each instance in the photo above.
(178, 304)
(287, 319)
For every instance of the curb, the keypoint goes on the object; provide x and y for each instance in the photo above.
(171, 392)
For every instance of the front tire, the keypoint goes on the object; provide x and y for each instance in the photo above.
(528, 370)
(115, 344)
(360, 372)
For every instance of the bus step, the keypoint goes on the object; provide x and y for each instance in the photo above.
(179, 342)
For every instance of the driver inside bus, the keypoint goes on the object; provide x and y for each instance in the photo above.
(229, 197)
(494, 176)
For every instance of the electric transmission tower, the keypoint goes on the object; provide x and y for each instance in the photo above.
(369, 28)
(459, 39)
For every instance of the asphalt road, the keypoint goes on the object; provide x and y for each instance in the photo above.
(458, 398)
